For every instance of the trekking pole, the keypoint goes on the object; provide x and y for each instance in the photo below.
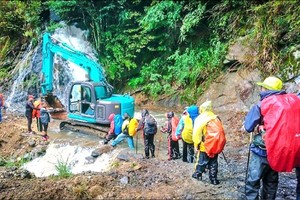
(225, 158)
(137, 139)
(248, 159)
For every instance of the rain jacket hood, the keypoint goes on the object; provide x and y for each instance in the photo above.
(111, 117)
(144, 112)
(200, 124)
(193, 112)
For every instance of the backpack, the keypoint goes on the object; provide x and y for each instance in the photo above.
(174, 122)
(118, 121)
(187, 132)
(133, 125)
(214, 140)
(281, 116)
(36, 113)
(125, 126)
(150, 126)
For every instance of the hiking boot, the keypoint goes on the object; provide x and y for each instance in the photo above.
(45, 137)
(197, 175)
(215, 181)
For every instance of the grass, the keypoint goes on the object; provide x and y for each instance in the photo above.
(13, 162)
(63, 169)
(115, 164)
(81, 191)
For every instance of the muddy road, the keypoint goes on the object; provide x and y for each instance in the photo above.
(129, 175)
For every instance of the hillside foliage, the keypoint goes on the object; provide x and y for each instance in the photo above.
(164, 47)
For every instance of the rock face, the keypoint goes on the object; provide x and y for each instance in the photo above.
(233, 92)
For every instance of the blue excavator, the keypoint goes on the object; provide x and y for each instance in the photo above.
(90, 102)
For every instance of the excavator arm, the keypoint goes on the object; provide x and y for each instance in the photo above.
(51, 46)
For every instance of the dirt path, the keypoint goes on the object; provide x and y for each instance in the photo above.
(132, 178)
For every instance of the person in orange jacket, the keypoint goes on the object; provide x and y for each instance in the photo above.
(173, 146)
(36, 113)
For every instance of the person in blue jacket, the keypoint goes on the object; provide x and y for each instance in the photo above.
(259, 168)
(178, 131)
(125, 133)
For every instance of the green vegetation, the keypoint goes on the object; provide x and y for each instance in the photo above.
(115, 164)
(63, 169)
(166, 47)
(11, 162)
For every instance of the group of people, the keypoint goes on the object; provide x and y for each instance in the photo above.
(191, 128)
(37, 109)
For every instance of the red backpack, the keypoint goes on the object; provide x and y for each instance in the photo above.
(174, 122)
(281, 114)
(214, 139)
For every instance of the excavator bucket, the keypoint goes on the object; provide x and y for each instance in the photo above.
(55, 107)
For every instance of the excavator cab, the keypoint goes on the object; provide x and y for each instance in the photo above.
(89, 101)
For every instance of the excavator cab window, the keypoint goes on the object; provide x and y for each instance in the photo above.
(86, 94)
(101, 92)
(81, 100)
(86, 99)
(75, 97)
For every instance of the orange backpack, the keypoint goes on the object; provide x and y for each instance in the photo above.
(174, 122)
(214, 139)
(36, 112)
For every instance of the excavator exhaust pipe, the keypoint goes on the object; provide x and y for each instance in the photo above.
(56, 108)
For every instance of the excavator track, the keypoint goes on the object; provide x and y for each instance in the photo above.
(77, 126)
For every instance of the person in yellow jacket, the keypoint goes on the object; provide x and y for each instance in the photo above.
(199, 131)
(187, 132)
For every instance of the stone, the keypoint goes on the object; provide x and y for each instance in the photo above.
(123, 157)
(32, 143)
(124, 180)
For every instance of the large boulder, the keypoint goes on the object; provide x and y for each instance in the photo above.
(233, 92)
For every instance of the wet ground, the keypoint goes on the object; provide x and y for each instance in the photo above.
(129, 175)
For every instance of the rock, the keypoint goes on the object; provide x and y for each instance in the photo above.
(137, 156)
(95, 190)
(102, 150)
(25, 174)
(123, 157)
(124, 180)
(38, 151)
(146, 184)
(90, 159)
(32, 143)
(189, 196)
(95, 153)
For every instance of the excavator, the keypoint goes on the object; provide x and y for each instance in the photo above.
(90, 102)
